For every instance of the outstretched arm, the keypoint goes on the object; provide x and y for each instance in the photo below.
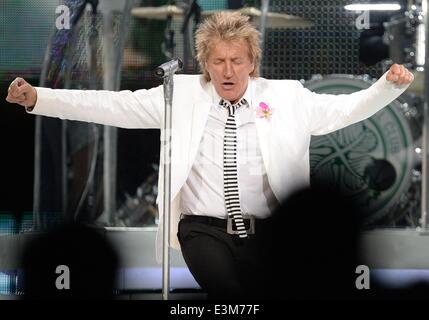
(126, 109)
(327, 112)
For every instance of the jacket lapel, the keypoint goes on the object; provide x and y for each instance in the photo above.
(200, 111)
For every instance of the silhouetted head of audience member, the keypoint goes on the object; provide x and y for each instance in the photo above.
(69, 262)
(315, 246)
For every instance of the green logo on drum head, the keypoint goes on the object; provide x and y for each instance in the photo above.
(369, 161)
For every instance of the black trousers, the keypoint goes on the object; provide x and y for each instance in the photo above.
(225, 266)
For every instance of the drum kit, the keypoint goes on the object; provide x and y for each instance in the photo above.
(182, 13)
(377, 162)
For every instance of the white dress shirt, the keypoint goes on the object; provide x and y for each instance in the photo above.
(202, 193)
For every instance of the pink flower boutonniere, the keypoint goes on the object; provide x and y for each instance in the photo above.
(264, 111)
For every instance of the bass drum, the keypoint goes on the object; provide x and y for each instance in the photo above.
(375, 162)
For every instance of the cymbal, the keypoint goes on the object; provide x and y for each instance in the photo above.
(159, 13)
(274, 19)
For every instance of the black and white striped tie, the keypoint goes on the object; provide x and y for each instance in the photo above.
(230, 174)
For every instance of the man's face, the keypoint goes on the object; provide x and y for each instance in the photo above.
(229, 66)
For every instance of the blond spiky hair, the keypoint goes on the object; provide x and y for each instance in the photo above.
(226, 26)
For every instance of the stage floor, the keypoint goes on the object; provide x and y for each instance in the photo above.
(139, 273)
(395, 256)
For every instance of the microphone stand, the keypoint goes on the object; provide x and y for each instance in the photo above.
(192, 9)
(166, 71)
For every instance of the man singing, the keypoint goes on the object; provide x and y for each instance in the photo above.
(240, 145)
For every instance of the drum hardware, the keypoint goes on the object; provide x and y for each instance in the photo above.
(168, 44)
(274, 19)
(414, 29)
(173, 13)
(417, 86)
(183, 12)
(140, 209)
(262, 30)
(159, 13)
(192, 9)
(404, 34)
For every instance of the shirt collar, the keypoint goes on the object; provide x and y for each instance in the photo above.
(247, 95)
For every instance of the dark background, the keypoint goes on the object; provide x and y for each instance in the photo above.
(331, 46)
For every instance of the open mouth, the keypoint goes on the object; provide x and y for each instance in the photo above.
(227, 85)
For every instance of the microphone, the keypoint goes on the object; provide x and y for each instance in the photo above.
(168, 68)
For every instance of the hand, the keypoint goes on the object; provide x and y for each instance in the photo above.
(21, 92)
(398, 74)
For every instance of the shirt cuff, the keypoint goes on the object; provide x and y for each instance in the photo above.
(39, 91)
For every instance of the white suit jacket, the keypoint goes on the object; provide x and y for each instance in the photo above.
(284, 140)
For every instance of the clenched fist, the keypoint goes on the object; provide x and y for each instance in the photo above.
(398, 74)
(21, 92)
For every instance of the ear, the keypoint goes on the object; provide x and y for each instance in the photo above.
(207, 72)
(252, 69)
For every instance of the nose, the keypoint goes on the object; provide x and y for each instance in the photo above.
(227, 71)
